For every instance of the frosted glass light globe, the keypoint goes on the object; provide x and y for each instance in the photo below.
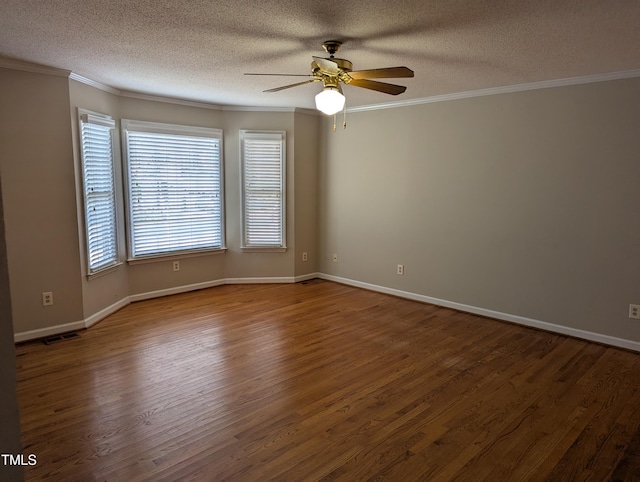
(330, 101)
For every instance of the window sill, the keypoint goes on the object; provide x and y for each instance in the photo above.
(175, 256)
(263, 249)
(104, 271)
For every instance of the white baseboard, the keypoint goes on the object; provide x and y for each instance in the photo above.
(96, 317)
(67, 327)
(306, 277)
(251, 281)
(176, 290)
(100, 315)
(520, 320)
(48, 331)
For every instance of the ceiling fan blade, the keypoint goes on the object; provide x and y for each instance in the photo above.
(327, 66)
(291, 85)
(379, 86)
(286, 75)
(388, 73)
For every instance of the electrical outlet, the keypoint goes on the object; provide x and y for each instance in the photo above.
(400, 270)
(335, 258)
(176, 266)
(634, 312)
(47, 298)
(305, 256)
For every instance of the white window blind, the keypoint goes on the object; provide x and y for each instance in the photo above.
(263, 188)
(174, 176)
(99, 190)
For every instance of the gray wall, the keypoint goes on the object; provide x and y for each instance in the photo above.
(526, 204)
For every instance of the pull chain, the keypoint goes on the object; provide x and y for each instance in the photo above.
(344, 123)
(334, 122)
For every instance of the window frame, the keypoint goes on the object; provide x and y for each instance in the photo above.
(86, 116)
(280, 137)
(130, 125)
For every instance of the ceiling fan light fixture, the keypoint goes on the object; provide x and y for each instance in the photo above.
(333, 72)
(330, 100)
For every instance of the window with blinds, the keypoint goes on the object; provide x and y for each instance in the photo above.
(99, 190)
(175, 190)
(263, 189)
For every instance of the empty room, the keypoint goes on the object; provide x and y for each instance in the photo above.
(320, 240)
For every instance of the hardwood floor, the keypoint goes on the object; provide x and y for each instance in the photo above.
(321, 381)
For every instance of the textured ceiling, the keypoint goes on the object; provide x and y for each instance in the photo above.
(199, 49)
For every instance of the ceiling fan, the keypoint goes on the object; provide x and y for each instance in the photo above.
(333, 72)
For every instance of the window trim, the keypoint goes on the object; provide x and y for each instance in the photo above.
(86, 116)
(271, 135)
(169, 129)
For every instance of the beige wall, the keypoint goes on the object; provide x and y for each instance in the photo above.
(41, 178)
(101, 291)
(305, 191)
(526, 203)
(38, 189)
(159, 275)
(254, 264)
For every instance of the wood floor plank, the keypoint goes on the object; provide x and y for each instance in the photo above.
(322, 381)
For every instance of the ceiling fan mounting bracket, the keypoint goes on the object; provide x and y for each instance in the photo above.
(331, 46)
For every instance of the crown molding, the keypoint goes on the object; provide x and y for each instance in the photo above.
(314, 112)
(138, 95)
(15, 64)
(169, 100)
(177, 101)
(243, 108)
(545, 84)
(296, 110)
(93, 83)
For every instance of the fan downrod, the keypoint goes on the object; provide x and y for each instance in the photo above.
(331, 46)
